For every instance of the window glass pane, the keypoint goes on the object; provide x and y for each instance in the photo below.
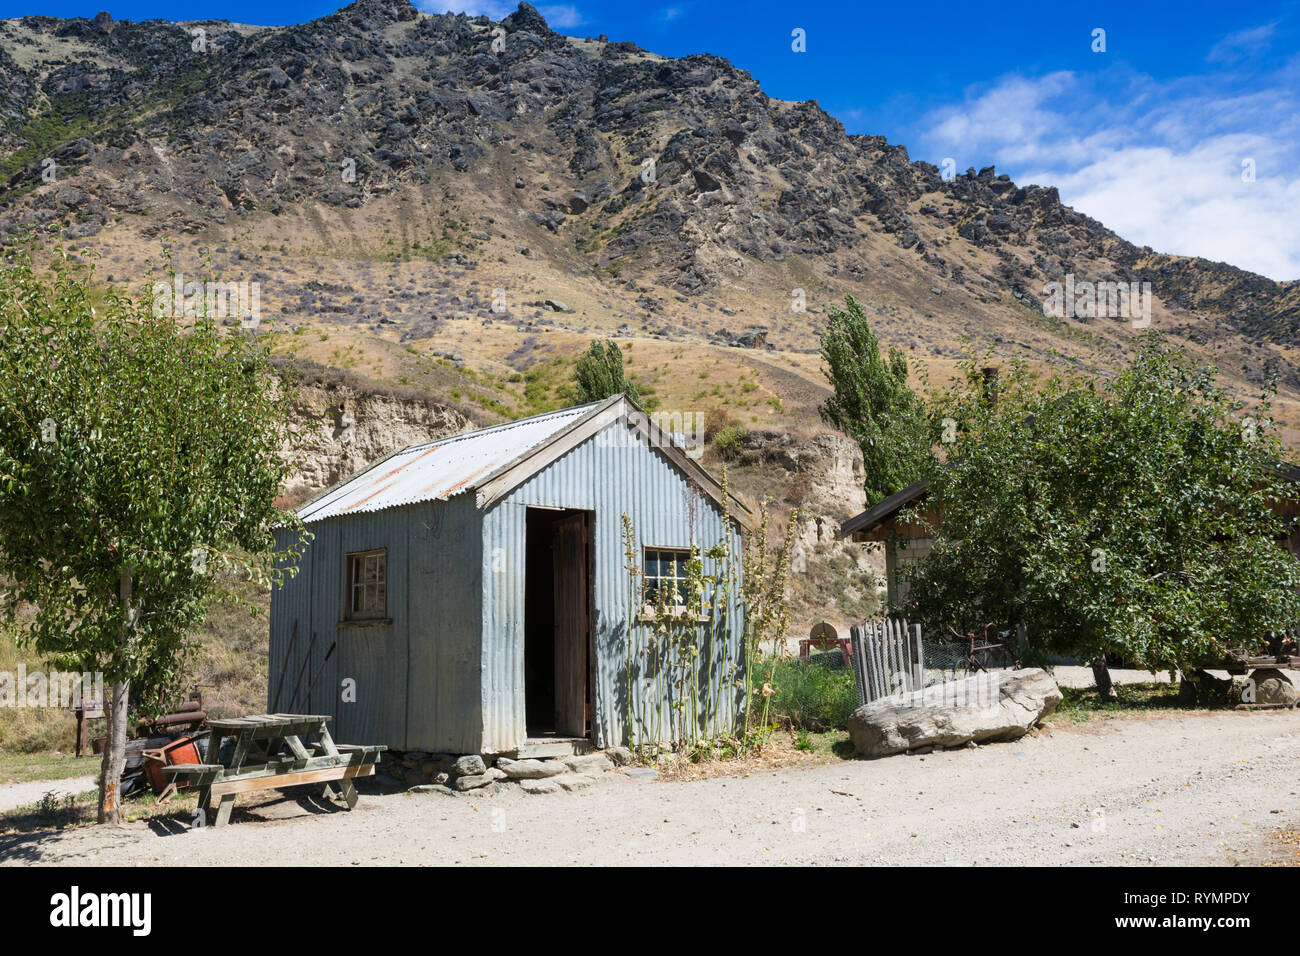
(367, 589)
(665, 573)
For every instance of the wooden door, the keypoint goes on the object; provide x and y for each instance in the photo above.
(571, 625)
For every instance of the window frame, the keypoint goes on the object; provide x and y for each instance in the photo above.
(354, 561)
(649, 605)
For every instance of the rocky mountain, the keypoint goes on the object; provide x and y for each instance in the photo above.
(492, 195)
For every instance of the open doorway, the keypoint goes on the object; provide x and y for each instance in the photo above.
(557, 623)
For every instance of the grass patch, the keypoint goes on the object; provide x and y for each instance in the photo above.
(1079, 704)
(57, 811)
(25, 767)
(29, 730)
(826, 743)
(818, 696)
(781, 751)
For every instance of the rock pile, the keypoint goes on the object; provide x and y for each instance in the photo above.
(450, 775)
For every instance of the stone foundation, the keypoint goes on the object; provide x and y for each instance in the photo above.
(452, 774)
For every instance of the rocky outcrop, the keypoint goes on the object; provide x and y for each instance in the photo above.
(826, 477)
(1001, 705)
(337, 431)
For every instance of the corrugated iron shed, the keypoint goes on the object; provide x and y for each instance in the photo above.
(445, 669)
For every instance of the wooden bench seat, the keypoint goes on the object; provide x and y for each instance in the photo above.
(289, 761)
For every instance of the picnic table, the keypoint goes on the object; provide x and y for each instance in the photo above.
(286, 760)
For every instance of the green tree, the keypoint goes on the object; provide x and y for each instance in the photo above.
(599, 374)
(139, 469)
(1132, 516)
(872, 402)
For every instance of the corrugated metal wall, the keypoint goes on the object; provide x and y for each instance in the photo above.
(413, 683)
(291, 628)
(610, 474)
(444, 695)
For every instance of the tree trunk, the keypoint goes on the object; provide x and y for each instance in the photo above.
(110, 786)
(1101, 674)
(110, 780)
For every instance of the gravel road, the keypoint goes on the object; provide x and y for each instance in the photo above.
(1203, 789)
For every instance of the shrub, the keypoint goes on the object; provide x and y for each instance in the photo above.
(716, 419)
(729, 442)
(818, 695)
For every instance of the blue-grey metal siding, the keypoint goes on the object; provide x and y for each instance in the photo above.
(610, 474)
(411, 684)
(444, 680)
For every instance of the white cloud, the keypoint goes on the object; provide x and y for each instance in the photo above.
(1236, 46)
(1160, 163)
(492, 9)
(558, 16)
(562, 16)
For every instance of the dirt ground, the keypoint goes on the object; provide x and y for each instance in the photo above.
(1213, 789)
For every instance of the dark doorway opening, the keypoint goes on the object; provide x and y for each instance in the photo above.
(557, 623)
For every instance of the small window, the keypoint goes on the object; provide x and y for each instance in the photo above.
(367, 597)
(665, 572)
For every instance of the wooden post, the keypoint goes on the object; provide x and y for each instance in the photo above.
(81, 731)
(855, 646)
(918, 660)
(892, 667)
(878, 661)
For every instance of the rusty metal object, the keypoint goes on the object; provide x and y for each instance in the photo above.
(183, 750)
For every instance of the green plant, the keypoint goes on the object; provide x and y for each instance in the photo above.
(1134, 517)
(139, 459)
(56, 810)
(872, 402)
(668, 651)
(729, 442)
(818, 695)
(669, 645)
(599, 374)
(767, 617)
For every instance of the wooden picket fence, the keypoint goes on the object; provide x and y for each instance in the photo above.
(888, 658)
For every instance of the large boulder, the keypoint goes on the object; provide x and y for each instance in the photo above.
(1000, 705)
(1272, 686)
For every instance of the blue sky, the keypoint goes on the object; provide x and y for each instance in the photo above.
(1158, 136)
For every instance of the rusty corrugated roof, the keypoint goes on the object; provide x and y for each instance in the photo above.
(443, 468)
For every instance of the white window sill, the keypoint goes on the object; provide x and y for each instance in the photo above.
(648, 616)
